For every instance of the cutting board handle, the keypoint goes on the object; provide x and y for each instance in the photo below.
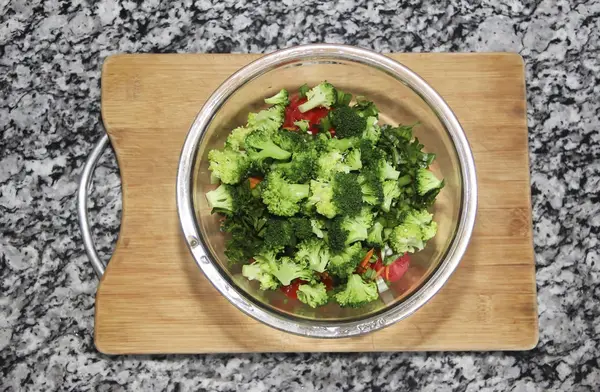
(82, 196)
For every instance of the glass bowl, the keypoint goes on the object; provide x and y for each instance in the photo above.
(403, 98)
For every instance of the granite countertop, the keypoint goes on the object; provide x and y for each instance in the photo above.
(50, 58)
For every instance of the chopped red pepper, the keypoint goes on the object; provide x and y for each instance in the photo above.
(293, 114)
(291, 290)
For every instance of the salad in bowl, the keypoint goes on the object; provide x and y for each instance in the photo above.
(320, 200)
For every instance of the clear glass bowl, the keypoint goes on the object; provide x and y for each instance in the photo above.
(403, 98)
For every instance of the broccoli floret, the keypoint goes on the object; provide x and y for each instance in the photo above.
(279, 233)
(228, 165)
(314, 253)
(321, 196)
(357, 292)
(341, 144)
(302, 90)
(371, 187)
(352, 159)
(269, 120)
(345, 262)
(301, 167)
(372, 132)
(317, 228)
(329, 163)
(260, 272)
(370, 155)
(365, 108)
(341, 196)
(347, 194)
(427, 181)
(419, 217)
(406, 237)
(323, 94)
(281, 98)
(262, 146)
(375, 236)
(357, 226)
(237, 138)
(286, 270)
(346, 230)
(428, 231)
(281, 197)
(386, 170)
(391, 191)
(221, 199)
(302, 227)
(347, 122)
(313, 295)
(304, 125)
(290, 141)
(424, 220)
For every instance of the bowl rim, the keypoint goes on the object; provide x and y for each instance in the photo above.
(324, 328)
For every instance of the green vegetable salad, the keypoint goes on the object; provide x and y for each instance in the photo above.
(320, 200)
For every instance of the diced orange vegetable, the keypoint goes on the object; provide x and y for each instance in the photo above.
(365, 261)
(254, 181)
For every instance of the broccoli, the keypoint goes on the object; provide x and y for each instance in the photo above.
(290, 140)
(345, 262)
(303, 90)
(347, 122)
(269, 120)
(371, 188)
(281, 98)
(347, 230)
(424, 220)
(286, 270)
(370, 155)
(427, 181)
(357, 226)
(222, 199)
(237, 138)
(406, 237)
(260, 146)
(341, 144)
(279, 233)
(313, 295)
(375, 236)
(280, 197)
(317, 228)
(391, 191)
(329, 163)
(300, 168)
(314, 253)
(372, 132)
(347, 195)
(385, 170)
(365, 108)
(322, 198)
(304, 125)
(357, 292)
(352, 159)
(341, 196)
(228, 165)
(428, 231)
(302, 227)
(419, 217)
(260, 272)
(323, 94)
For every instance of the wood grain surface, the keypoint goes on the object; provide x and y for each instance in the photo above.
(154, 299)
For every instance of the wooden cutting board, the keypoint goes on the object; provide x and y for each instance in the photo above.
(154, 299)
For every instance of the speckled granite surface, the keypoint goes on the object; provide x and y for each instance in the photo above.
(50, 58)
